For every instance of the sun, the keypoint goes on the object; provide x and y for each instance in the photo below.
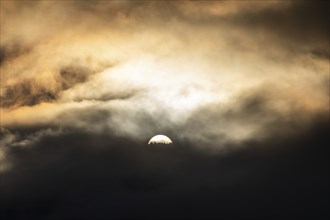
(160, 139)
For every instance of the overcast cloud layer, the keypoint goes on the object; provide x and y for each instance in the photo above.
(237, 85)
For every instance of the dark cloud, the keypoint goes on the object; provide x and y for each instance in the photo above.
(11, 51)
(30, 92)
(322, 54)
(83, 175)
(302, 22)
(22, 94)
(72, 75)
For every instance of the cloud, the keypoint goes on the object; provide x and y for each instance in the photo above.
(30, 92)
(242, 89)
(64, 176)
(304, 23)
(215, 84)
(11, 51)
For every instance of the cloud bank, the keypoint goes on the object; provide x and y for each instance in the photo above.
(232, 83)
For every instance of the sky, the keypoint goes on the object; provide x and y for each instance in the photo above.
(240, 87)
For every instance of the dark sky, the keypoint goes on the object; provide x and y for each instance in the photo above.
(98, 176)
(241, 88)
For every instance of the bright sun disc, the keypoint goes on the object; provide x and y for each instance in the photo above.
(160, 139)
